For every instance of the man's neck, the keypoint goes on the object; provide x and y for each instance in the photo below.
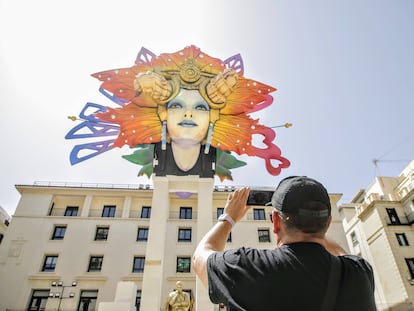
(300, 237)
(330, 245)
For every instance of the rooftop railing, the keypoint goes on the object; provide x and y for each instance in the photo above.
(92, 185)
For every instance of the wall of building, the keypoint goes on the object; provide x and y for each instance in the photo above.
(42, 208)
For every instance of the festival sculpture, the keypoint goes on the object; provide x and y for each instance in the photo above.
(178, 299)
(182, 113)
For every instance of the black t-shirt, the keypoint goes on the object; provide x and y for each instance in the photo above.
(292, 277)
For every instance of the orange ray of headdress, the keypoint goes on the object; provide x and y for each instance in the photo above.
(138, 125)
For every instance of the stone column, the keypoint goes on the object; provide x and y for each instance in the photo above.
(154, 265)
(204, 223)
(127, 207)
(86, 206)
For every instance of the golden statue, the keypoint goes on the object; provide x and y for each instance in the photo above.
(178, 300)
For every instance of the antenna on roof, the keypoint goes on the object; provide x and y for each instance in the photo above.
(380, 158)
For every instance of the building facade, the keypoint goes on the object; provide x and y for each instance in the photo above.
(378, 223)
(69, 246)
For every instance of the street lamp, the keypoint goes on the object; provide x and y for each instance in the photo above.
(59, 295)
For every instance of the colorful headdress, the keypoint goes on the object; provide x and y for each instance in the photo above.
(143, 90)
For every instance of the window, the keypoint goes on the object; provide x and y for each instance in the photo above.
(146, 212)
(259, 214)
(101, 233)
(264, 235)
(138, 266)
(87, 301)
(184, 235)
(49, 264)
(354, 239)
(95, 263)
(183, 264)
(220, 211)
(59, 233)
(138, 300)
(410, 264)
(108, 211)
(38, 300)
(71, 211)
(392, 214)
(142, 234)
(186, 213)
(402, 239)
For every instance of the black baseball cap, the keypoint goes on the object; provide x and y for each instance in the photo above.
(293, 192)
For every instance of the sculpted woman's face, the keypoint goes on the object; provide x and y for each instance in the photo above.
(188, 116)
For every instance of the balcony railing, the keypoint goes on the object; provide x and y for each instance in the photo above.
(404, 190)
(383, 197)
(401, 221)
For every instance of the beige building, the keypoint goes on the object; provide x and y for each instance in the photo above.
(69, 246)
(379, 226)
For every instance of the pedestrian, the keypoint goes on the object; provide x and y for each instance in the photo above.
(306, 271)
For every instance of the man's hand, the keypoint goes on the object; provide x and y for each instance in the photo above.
(236, 206)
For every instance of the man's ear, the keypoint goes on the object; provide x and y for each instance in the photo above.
(328, 223)
(276, 222)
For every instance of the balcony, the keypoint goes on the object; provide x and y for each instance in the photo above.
(390, 197)
(403, 221)
(405, 190)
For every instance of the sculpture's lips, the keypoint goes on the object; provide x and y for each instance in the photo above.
(187, 123)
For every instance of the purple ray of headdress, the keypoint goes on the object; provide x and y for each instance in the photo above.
(235, 62)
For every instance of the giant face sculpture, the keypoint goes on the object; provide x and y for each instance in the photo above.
(186, 105)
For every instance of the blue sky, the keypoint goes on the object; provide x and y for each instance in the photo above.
(344, 72)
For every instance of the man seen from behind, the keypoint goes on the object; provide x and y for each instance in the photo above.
(306, 271)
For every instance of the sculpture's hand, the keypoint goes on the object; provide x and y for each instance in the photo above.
(153, 85)
(222, 85)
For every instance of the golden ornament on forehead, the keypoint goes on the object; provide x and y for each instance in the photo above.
(190, 75)
(189, 71)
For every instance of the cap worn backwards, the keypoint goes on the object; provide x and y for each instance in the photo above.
(292, 194)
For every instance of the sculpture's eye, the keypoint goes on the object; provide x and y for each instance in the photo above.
(202, 106)
(174, 105)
